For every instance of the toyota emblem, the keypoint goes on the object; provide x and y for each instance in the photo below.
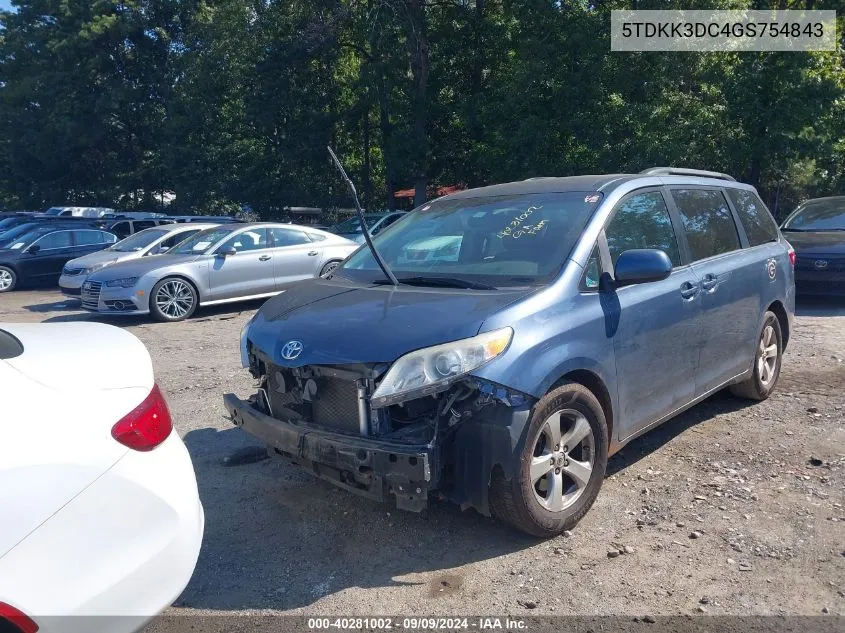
(291, 350)
(821, 264)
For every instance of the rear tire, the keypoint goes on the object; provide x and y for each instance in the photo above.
(329, 268)
(173, 299)
(8, 279)
(767, 360)
(558, 475)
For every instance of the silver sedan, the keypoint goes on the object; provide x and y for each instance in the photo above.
(230, 262)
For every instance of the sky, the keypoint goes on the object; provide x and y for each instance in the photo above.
(5, 4)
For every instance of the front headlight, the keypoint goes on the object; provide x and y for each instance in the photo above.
(432, 369)
(97, 267)
(123, 282)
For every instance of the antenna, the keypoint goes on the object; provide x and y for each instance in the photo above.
(387, 272)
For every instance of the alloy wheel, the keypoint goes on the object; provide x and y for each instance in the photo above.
(563, 460)
(175, 299)
(767, 355)
(6, 280)
(329, 268)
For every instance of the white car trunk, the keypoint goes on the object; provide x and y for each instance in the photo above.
(59, 407)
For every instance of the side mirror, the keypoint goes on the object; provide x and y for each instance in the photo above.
(227, 252)
(641, 265)
(32, 250)
(163, 249)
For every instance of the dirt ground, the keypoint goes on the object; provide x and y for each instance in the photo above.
(731, 508)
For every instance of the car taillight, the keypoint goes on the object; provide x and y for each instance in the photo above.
(791, 253)
(17, 618)
(147, 425)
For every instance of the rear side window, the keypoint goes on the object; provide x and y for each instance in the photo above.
(708, 222)
(140, 225)
(84, 238)
(121, 229)
(759, 225)
(642, 221)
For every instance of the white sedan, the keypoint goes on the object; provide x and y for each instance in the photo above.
(98, 497)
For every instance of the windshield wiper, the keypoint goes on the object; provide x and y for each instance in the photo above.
(789, 228)
(376, 255)
(442, 282)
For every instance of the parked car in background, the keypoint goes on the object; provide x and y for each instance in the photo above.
(444, 248)
(376, 222)
(84, 212)
(230, 262)
(153, 241)
(816, 229)
(580, 313)
(124, 227)
(101, 515)
(216, 219)
(13, 222)
(38, 255)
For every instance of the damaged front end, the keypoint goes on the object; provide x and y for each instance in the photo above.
(331, 420)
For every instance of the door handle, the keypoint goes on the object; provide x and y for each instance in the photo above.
(264, 258)
(312, 253)
(688, 290)
(709, 282)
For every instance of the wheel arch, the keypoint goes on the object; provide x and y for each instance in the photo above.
(780, 312)
(597, 387)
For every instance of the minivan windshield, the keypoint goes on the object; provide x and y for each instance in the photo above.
(200, 242)
(138, 241)
(494, 241)
(821, 215)
(352, 225)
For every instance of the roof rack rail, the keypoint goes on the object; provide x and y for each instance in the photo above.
(683, 171)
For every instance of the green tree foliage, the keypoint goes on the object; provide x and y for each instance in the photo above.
(229, 102)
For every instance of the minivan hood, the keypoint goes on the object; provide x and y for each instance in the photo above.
(339, 322)
(140, 266)
(816, 242)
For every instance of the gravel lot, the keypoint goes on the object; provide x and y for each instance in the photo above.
(730, 508)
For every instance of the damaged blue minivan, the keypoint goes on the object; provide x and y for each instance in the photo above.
(534, 329)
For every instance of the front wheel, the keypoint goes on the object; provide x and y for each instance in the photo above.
(329, 268)
(561, 467)
(8, 279)
(767, 361)
(173, 299)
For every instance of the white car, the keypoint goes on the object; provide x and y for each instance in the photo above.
(98, 497)
(152, 241)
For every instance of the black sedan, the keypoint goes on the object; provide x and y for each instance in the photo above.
(816, 230)
(38, 254)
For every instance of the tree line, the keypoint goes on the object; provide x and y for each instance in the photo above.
(233, 102)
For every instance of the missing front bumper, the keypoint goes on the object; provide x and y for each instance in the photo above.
(365, 466)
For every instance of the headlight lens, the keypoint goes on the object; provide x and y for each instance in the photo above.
(123, 282)
(432, 369)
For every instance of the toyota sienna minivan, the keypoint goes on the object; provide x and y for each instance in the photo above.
(574, 315)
